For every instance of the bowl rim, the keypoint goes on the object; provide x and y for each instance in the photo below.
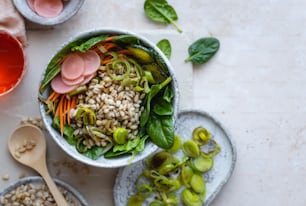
(126, 159)
(14, 40)
(23, 7)
(38, 179)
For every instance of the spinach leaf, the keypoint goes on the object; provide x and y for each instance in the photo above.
(123, 148)
(161, 131)
(68, 131)
(161, 11)
(162, 108)
(49, 75)
(94, 152)
(202, 50)
(165, 46)
(126, 39)
(153, 92)
(89, 43)
(168, 94)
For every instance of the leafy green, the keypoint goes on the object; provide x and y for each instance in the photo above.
(165, 46)
(89, 43)
(161, 11)
(162, 108)
(68, 131)
(202, 50)
(50, 74)
(94, 152)
(153, 91)
(168, 94)
(161, 131)
(126, 39)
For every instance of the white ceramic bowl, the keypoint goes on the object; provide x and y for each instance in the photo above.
(71, 7)
(37, 181)
(121, 160)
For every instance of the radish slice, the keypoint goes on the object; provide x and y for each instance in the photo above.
(31, 4)
(48, 8)
(72, 67)
(77, 81)
(60, 87)
(91, 62)
(88, 78)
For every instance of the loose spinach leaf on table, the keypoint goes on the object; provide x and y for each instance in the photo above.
(165, 46)
(202, 50)
(161, 130)
(161, 11)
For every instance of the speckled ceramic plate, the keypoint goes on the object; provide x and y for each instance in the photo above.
(216, 178)
(37, 181)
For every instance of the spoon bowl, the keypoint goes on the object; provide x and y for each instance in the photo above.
(27, 145)
(23, 134)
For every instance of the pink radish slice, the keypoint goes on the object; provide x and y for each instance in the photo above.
(72, 67)
(31, 4)
(60, 87)
(48, 8)
(91, 61)
(88, 78)
(77, 81)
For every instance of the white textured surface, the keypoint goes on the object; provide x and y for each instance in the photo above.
(254, 86)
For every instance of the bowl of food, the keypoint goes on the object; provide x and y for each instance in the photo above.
(109, 98)
(12, 62)
(46, 12)
(33, 191)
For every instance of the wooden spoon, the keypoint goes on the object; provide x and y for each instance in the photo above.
(27, 145)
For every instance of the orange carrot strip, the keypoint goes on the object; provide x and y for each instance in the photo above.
(60, 105)
(106, 60)
(124, 51)
(110, 38)
(55, 97)
(68, 110)
(64, 110)
(109, 46)
(73, 102)
(51, 95)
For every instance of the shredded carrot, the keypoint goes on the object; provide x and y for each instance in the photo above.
(124, 51)
(60, 105)
(64, 110)
(109, 46)
(110, 38)
(51, 95)
(68, 103)
(106, 60)
(55, 97)
(73, 103)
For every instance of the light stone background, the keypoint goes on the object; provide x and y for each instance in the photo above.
(255, 86)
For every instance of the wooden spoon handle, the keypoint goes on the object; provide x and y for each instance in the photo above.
(57, 195)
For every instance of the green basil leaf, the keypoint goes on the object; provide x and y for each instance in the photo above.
(165, 46)
(161, 11)
(161, 131)
(202, 50)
